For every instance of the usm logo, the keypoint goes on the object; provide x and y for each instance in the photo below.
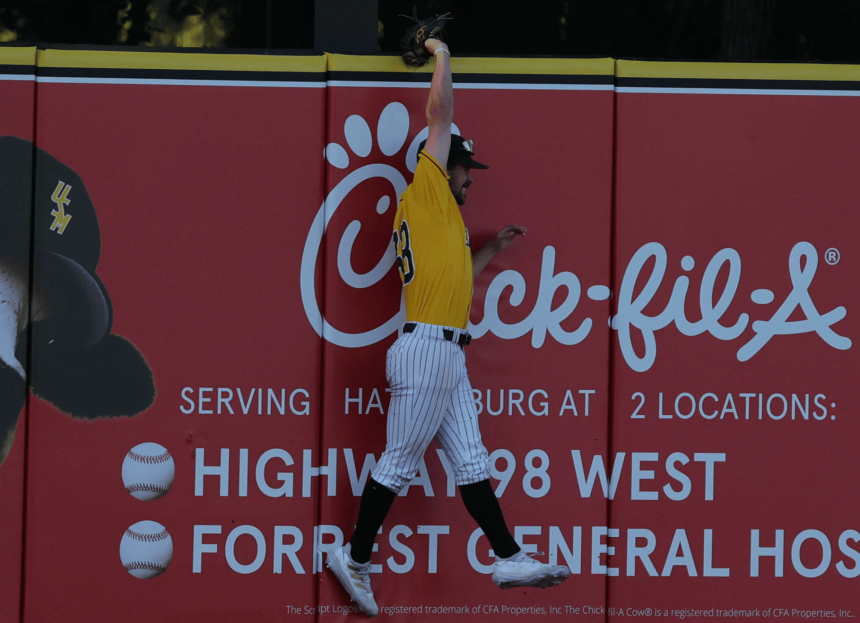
(61, 198)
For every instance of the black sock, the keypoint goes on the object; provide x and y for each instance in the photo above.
(483, 506)
(376, 501)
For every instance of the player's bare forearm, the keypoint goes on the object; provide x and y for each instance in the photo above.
(480, 259)
(499, 243)
(440, 104)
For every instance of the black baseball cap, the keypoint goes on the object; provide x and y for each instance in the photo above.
(65, 238)
(461, 152)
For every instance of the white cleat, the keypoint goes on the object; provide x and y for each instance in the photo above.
(354, 577)
(523, 570)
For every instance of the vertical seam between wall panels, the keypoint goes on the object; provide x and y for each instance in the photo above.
(322, 402)
(612, 303)
(28, 336)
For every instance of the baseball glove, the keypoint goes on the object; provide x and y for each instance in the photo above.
(412, 44)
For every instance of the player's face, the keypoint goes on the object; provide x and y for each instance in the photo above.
(461, 179)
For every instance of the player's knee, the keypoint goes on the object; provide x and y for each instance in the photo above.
(470, 473)
(394, 479)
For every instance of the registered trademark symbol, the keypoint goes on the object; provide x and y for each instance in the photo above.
(831, 256)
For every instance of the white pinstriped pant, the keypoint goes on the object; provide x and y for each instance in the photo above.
(431, 397)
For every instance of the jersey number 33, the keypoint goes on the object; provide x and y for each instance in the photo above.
(403, 249)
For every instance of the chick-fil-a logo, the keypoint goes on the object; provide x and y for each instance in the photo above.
(544, 319)
(802, 265)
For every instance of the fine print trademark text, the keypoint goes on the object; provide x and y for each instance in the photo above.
(597, 610)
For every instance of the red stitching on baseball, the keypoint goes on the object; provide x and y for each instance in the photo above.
(139, 564)
(149, 538)
(142, 486)
(150, 460)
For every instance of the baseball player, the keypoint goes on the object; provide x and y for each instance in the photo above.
(431, 396)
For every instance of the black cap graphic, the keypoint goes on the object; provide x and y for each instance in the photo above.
(65, 239)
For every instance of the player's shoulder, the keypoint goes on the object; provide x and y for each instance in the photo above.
(427, 164)
(429, 193)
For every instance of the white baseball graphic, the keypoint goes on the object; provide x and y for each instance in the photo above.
(146, 549)
(148, 471)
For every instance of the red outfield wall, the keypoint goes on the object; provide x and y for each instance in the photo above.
(17, 91)
(735, 368)
(689, 463)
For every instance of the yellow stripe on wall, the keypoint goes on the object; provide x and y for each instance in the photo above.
(536, 66)
(737, 71)
(17, 56)
(94, 59)
(393, 64)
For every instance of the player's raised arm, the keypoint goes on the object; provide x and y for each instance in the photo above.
(440, 103)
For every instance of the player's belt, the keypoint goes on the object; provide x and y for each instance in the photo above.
(461, 339)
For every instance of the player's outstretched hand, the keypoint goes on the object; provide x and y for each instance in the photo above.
(434, 45)
(507, 235)
(500, 242)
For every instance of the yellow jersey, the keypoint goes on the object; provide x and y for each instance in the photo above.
(432, 246)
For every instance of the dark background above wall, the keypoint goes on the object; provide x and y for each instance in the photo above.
(775, 30)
